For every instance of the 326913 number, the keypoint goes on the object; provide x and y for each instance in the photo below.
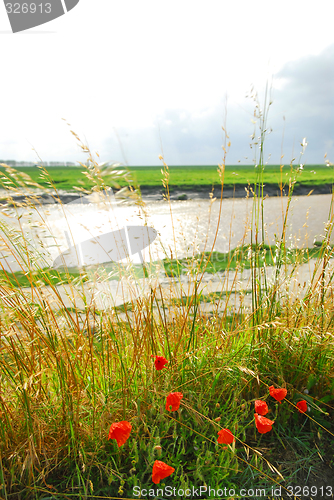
(305, 491)
(32, 8)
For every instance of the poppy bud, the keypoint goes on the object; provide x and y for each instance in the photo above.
(158, 449)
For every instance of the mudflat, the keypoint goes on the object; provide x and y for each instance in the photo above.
(180, 193)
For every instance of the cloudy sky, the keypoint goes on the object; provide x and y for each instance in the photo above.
(136, 79)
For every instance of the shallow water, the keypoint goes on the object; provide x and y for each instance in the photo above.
(195, 226)
(184, 227)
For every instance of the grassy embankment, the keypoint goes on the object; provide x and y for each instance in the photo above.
(62, 384)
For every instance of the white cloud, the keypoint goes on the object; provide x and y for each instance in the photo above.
(124, 64)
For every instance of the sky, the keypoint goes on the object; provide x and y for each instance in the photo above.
(136, 80)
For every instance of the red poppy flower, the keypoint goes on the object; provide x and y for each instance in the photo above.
(160, 362)
(173, 400)
(120, 431)
(263, 424)
(261, 407)
(160, 471)
(302, 406)
(278, 394)
(225, 436)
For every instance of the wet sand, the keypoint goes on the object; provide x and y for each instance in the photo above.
(294, 283)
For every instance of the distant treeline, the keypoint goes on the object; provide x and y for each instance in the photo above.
(14, 163)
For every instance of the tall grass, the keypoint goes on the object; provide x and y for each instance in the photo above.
(67, 373)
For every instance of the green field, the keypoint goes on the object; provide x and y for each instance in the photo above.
(183, 176)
